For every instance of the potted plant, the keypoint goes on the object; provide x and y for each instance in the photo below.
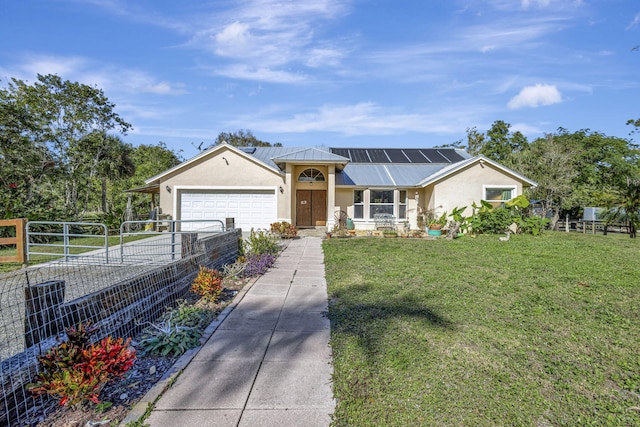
(390, 233)
(436, 225)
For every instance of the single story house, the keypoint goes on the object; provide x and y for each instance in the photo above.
(311, 187)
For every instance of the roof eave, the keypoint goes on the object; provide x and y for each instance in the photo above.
(468, 162)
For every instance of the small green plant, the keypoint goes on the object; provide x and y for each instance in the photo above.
(260, 243)
(75, 371)
(190, 315)
(390, 233)
(178, 331)
(284, 229)
(532, 225)
(169, 338)
(208, 284)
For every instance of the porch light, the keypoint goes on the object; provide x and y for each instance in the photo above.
(168, 189)
(281, 190)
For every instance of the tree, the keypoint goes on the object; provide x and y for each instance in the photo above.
(242, 138)
(626, 207)
(64, 114)
(499, 143)
(26, 167)
(110, 161)
(555, 179)
(149, 160)
(579, 169)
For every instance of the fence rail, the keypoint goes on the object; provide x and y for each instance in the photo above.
(177, 241)
(41, 234)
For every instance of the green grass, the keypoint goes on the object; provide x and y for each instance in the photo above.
(56, 251)
(537, 331)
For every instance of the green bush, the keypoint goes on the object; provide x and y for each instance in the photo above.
(491, 221)
(534, 225)
(260, 243)
(170, 338)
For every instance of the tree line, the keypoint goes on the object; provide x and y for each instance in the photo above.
(573, 170)
(62, 157)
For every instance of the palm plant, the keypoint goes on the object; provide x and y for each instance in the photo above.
(626, 209)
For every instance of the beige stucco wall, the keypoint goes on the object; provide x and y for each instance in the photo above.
(467, 186)
(214, 172)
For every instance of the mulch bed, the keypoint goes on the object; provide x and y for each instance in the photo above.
(119, 397)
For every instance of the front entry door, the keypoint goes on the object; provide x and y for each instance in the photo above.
(311, 208)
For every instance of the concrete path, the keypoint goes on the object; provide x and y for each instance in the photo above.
(268, 363)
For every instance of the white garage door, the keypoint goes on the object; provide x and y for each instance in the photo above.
(250, 209)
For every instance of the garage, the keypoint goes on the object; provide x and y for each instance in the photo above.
(250, 208)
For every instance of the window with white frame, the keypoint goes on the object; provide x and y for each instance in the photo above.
(311, 175)
(402, 204)
(358, 204)
(380, 202)
(497, 195)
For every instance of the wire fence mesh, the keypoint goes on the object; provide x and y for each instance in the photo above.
(38, 303)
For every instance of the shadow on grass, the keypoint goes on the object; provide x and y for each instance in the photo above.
(357, 312)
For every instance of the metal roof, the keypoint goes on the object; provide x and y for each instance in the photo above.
(387, 175)
(310, 155)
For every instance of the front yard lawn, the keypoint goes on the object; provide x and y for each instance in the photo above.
(536, 331)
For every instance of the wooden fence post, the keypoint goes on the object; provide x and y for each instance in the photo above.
(18, 241)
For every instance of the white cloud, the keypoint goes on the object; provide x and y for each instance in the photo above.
(108, 77)
(536, 96)
(635, 22)
(539, 3)
(366, 118)
(263, 74)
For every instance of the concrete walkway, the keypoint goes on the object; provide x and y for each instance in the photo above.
(268, 363)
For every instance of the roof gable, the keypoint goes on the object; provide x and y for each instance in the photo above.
(449, 170)
(212, 152)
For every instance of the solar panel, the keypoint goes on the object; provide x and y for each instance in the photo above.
(359, 156)
(344, 152)
(451, 154)
(415, 156)
(397, 156)
(378, 156)
(434, 156)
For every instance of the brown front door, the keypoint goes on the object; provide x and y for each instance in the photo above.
(311, 208)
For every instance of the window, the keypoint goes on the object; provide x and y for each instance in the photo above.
(311, 175)
(358, 204)
(402, 204)
(380, 202)
(498, 195)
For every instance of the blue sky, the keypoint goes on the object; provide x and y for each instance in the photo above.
(350, 73)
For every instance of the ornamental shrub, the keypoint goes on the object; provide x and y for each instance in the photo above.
(492, 221)
(260, 243)
(75, 371)
(284, 230)
(208, 284)
(258, 264)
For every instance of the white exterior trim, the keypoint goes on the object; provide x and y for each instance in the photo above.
(208, 188)
(514, 188)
